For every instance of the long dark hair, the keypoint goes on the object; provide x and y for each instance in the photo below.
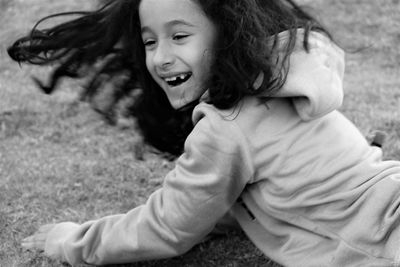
(105, 45)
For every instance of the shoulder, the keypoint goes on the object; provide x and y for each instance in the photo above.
(216, 138)
(250, 116)
(225, 120)
(216, 127)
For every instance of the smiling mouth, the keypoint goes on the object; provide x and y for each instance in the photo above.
(178, 79)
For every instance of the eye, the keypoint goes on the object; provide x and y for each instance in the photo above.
(180, 36)
(149, 43)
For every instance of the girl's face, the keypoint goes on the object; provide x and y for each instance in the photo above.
(179, 41)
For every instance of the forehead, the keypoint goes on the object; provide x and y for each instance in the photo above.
(154, 12)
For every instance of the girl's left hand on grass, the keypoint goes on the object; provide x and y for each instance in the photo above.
(49, 239)
(37, 241)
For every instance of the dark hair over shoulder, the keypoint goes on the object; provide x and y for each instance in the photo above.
(105, 46)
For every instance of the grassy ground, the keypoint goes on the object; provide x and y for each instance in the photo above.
(59, 161)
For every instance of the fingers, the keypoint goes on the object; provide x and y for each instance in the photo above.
(37, 241)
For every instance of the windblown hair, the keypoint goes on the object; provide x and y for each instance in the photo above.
(106, 48)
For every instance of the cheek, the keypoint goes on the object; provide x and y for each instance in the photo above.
(148, 63)
(150, 67)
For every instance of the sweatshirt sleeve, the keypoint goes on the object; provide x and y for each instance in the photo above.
(201, 189)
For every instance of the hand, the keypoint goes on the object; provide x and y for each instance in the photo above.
(49, 239)
(37, 241)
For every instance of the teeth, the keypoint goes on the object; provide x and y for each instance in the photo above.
(171, 79)
(174, 78)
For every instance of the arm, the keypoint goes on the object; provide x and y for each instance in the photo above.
(205, 183)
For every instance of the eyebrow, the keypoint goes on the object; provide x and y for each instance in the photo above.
(170, 24)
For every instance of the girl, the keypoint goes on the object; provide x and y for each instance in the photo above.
(266, 148)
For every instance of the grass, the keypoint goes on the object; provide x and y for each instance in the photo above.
(60, 161)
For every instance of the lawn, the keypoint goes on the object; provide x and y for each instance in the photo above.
(60, 161)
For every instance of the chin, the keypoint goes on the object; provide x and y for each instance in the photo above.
(176, 104)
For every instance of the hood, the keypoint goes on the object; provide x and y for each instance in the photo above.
(315, 78)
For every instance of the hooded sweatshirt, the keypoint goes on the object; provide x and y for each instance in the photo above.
(300, 179)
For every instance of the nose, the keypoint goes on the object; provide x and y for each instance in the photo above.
(163, 56)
